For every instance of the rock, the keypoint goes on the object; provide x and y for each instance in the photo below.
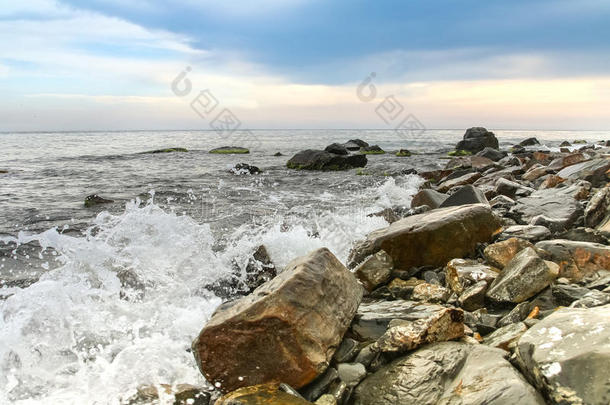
(505, 337)
(264, 394)
(346, 351)
(477, 163)
(460, 181)
(557, 205)
(372, 150)
(517, 314)
(565, 295)
(432, 238)
(366, 355)
(529, 142)
(375, 270)
(404, 153)
(518, 150)
(178, 395)
(351, 373)
(595, 171)
(565, 143)
(321, 160)
(465, 195)
(598, 207)
(500, 253)
(481, 321)
(567, 354)
(355, 144)
(582, 234)
(551, 181)
(326, 399)
(244, 168)
(524, 276)
(492, 154)
(512, 189)
(447, 373)
(277, 154)
(565, 161)
(476, 139)
(576, 259)
(321, 384)
(592, 299)
(461, 274)
(403, 289)
(337, 149)
(534, 172)
(430, 293)
(230, 150)
(431, 198)
(94, 199)
(167, 150)
(286, 331)
(373, 318)
(473, 297)
(532, 233)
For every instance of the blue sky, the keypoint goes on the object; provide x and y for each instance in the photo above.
(108, 64)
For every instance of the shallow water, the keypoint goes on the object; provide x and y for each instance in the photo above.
(72, 333)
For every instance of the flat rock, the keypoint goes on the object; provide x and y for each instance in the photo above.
(311, 159)
(595, 171)
(566, 160)
(375, 270)
(531, 233)
(465, 195)
(473, 297)
(567, 355)
(511, 189)
(576, 259)
(506, 336)
(431, 198)
(286, 331)
(468, 178)
(492, 154)
(230, 150)
(431, 238)
(447, 373)
(500, 253)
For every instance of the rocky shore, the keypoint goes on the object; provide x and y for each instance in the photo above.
(493, 288)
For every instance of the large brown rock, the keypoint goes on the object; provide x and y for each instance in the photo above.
(431, 238)
(576, 259)
(285, 331)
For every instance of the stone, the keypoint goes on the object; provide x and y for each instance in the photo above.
(351, 373)
(582, 234)
(592, 299)
(447, 373)
(565, 295)
(531, 233)
(566, 160)
(534, 172)
(595, 171)
(462, 273)
(465, 195)
(551, 181)
(372, 319)
(372, 150)
(366, 355)
(346, 351)
(375, 270)
(576, 260)
(517, 314)
(481, 321)
(431, 198)
(512, 189)
(430, 293)
(166, 150)
(473, 297)
(500, 253)
(263, 394)
(565, 143)
(529, 142)
(286, 331)
(506, 336)
(492, 154)
(321, 384)
(311, 159)
(404, 153)
(403, 289)
(244, 168)
(476, 139)
(230, 150)
(567, 354)
(94, 199)
(468, 178)
(598, 207)
(277, 154)
(337, 149)
(355, 144)
(177, 395)
(524, 276)
(431, 238)
(326, 399)
(402, 335)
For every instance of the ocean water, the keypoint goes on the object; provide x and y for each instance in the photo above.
(71, 333)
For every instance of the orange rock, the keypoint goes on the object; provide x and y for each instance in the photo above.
(534, 314)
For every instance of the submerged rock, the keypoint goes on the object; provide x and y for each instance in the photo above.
(431, 238)
(476, 139)
(567, 354)
(167, 150)
(286, 331)
(94, 199)
(311, 159)
(244, 168)
(230, 150)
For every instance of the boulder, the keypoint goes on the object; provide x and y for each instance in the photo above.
(467, 194)
(431, 238)
(505, 337)
(263, 394)
(94, 199)
(524, 276)
(529, 142)
(462, 273)
(512, 189)
(337, 149)
(431, 198)
(355, 144)
(531, 233)
(473, 297)
(566, 355)
(566, 160)
(492, 154)
(598, 207)
(372, 150)
(230, 150)
(286, 331)
(576, 260)
(500, 253)
(244, 168)
(596, 171)
(447, 373)
(476, 139)
(311, 159)
(468, 178)
(375, 270)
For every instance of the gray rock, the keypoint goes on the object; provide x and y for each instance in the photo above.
(476, 139)
(582, 234)
(355, 144)
(473, 297)
(462, 273)
(467, 178)
(351, 373)
(567, 355)
(367, 355)
(493, 154)
(467, 194)
(577, 260)
(94, 199)
(447, 373)
(592, 299)
(529, 142)
(524, 276)
(375, 270)
(505, 337)
(598, 207)
(532, 233)
(512, 189)
(431, 198)
(320, 385)
(311, 159)
(337, 149)
(565, 295)
(593, 171)
(517, 314)
(346, 351)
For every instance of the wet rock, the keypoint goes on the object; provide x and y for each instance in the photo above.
(598, 207)
(565, 295)
(404, 153)
(465, 195)
(244, 168)
(592, 299)
(447, 373)
(167, 150)
(468, 178)
(375, 270)
(346, 351)
(531, 233)
(500, 253)
(321, 384)
(94, 199)
(576, 259)
(430, 293)
(566, 160)
(476, 139)
(230, 150)
(596, 171)
(512, 189)
(372, 150)
(529, 142)
(524, 276)
(311, 159)
(355, 144)
(403, 289)
(473, 297)
(565, 143)
(286, 331)
(551, 181)
(432, 238)
(567, 354)
(373, 318)
(462, 273)
(351, 373)
(506, 337)
(481, 321)
(326, 399)
(517, 314)
(265, 394)
(534, 172)
(431, 198)
(492, 154)
(277, 154)
(337, 149)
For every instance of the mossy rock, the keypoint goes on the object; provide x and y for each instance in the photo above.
(230, 150)
(580, 141)
(404, 153)
(372, 152)
(459, 152)
(168, 150)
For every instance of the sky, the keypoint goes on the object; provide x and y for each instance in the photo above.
(68, 65)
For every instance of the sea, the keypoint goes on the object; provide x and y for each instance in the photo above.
(71, 333)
